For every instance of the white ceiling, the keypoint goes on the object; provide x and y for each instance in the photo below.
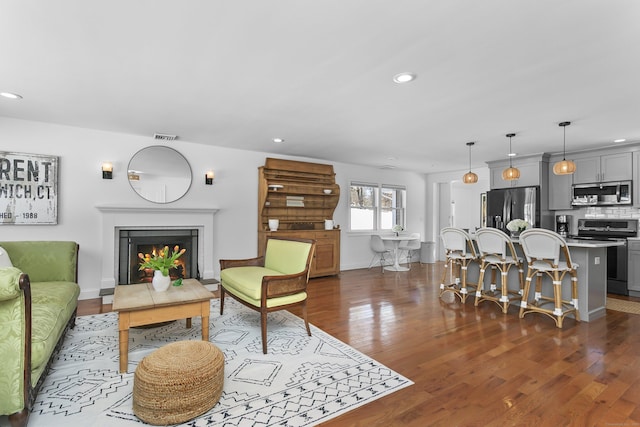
(319, 74)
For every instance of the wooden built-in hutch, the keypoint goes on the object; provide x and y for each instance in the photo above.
(301, 196)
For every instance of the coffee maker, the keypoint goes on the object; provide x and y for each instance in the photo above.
(563, 225)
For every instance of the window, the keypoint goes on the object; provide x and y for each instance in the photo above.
(392, 206)
(376, 207)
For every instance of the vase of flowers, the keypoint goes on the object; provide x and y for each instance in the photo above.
(397, 229)
(161, 262)
(516, 226)
(160, 283)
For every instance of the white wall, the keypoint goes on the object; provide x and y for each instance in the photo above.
(466, 198)
(81, 188)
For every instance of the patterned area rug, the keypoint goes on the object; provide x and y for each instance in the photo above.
(303, 380)
(623, 305)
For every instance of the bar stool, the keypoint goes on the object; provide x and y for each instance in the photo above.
(543, 250)
(460, 252)
(498, 253)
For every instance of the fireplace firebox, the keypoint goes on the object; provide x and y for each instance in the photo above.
(147, 241)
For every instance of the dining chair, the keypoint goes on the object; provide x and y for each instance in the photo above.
(379, 250)
(548, 256)
(410, 246)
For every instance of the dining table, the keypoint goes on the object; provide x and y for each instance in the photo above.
(396, 239)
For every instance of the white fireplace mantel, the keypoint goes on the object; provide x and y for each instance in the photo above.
(116, 217)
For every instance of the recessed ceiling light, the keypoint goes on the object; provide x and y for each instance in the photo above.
(620, 140)
(278, 140)
(404, 77)
(512, 154)
(10, 95)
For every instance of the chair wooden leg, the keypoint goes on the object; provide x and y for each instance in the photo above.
(263, 325)
(304, 316)
(19, 419)
(221, 298)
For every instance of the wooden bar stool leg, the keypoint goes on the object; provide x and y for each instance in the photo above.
(521, 275)
(504, 298)
(447, 269)
(493, 286)
(525, 294)
(463, 283)
(557, 298)
(538, 293)
(574, 293)
(480, 288)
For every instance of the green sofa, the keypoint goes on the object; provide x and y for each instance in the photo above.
(38, 302)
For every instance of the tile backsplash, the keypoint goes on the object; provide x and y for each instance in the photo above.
(615, 212)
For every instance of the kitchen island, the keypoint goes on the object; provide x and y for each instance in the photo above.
(591, 257)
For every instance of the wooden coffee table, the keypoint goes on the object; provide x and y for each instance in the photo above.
(139, 305)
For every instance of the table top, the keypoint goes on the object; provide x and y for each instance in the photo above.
(142, 295)
(399, 238)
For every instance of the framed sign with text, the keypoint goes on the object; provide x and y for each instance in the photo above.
(28, 188)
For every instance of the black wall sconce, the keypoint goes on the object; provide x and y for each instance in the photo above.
(107, 170)
(208, 178)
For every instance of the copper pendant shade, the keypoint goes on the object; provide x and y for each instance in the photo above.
(510, 173)
(470, 177)
(565, 167)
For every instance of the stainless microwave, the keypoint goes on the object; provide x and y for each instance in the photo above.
(601, 194)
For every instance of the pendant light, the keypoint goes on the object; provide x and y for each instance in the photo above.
(565, 167)
(510, 173)
(470, 177)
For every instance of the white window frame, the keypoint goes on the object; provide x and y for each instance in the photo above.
(377, 209)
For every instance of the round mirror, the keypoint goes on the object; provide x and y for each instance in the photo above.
(159, 174)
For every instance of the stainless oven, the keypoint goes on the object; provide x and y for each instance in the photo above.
(617, 264)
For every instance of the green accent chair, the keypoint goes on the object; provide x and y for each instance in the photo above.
(38, 302)
(276, 281)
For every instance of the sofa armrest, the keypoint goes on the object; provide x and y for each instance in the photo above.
(230, 263)
(15, 344)
(280, 286)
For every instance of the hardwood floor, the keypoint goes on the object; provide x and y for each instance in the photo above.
(474, 366)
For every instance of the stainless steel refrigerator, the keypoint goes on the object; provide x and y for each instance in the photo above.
(506, 204)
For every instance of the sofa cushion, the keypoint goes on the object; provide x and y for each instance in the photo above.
(271, 302)
(246, 280)
(52, 306)
(5, 261)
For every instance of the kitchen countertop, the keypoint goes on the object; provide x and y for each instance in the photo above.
(593, 243)
(579, 243)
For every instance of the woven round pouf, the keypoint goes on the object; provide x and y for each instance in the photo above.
(178, 382)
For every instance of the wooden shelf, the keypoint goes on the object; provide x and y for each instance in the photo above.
(294, 193)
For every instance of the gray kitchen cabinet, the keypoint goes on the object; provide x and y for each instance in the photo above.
(559, 189)
(605, 168)
(633, 275)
